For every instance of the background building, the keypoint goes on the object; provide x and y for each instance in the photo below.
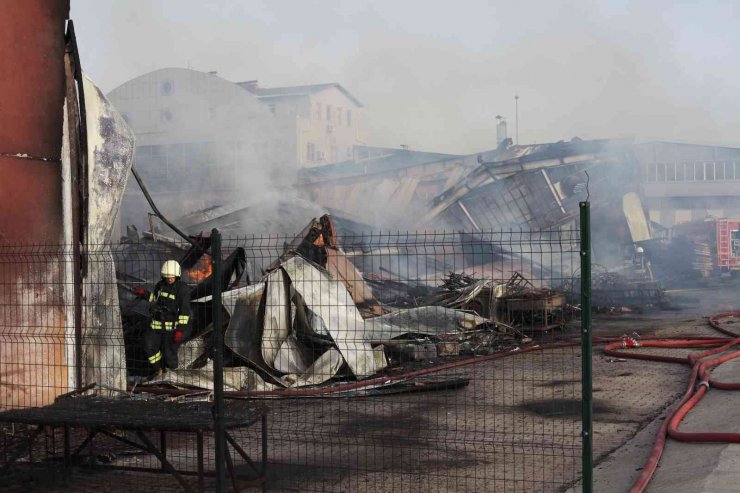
(200, 141)
(203, 141)
(689, 182)
(320, 123)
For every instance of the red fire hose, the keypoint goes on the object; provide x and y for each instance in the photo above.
(694, 393)
(348, 386)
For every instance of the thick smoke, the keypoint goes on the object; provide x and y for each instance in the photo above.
(435, 81)
(435, 76)
(204, 142)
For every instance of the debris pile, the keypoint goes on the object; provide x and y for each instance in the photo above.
(314, 319)
(613, 292)
(515, 303)
(538, 309)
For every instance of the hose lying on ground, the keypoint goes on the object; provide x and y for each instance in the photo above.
(694, 393)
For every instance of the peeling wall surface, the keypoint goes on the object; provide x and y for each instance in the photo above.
(32, 314)
(110, 154)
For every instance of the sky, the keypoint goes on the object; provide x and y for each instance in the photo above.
(434, 75)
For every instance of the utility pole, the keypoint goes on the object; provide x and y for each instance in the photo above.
(516, 103)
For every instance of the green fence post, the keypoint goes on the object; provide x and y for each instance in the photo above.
(218, 365)
(586, 349)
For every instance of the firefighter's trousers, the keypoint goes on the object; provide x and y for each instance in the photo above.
(160, 348)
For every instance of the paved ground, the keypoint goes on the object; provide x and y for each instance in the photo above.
(515, 427)
(685, 467)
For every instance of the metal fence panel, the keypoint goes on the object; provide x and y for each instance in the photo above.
(437, 361)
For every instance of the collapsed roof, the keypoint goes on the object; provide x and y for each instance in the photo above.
(535, 187)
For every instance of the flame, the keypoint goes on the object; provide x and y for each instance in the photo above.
(201, 270)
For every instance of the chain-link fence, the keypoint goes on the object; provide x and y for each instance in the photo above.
(351, 362)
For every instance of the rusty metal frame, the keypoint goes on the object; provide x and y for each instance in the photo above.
(146, 445)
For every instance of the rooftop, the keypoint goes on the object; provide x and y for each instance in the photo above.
(384, 159)
(273, 92)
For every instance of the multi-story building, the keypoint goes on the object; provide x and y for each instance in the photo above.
(321, 123)
(689, 182)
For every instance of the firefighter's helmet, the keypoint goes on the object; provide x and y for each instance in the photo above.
(171, 269)
(639, 250)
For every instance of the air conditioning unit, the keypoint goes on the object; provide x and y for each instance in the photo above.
(329, 129)
(319, 155)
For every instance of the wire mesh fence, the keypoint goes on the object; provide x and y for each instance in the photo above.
(351, 362)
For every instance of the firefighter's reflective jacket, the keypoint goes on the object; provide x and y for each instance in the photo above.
(170, 306)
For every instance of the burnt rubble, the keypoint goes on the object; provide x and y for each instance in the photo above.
(314, 318)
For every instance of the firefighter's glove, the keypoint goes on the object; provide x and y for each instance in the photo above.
(141, 293)
(177, 336)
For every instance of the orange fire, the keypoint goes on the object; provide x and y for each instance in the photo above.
(201, 270)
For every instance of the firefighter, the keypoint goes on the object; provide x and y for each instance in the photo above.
(169, 307)
(641, 263)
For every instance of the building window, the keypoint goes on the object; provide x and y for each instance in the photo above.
(166, 88)
(680, 173)
(328, 112)
(166, 116)
(310, 151)
(719, 171)
(661, 171)
(650, 172)
(349, 118)
(670, 172)
(272, 108)
(339, 116)
(698, 171)
(709, 173)
(318, 111)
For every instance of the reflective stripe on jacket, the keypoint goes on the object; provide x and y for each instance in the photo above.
(170, 305)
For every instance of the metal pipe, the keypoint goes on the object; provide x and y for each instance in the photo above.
(218, 365)
(149, 199)
(201, 483)
(586, 349)
(516, 103)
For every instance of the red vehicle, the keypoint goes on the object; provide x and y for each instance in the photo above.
(727, 241)
(707, 247)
